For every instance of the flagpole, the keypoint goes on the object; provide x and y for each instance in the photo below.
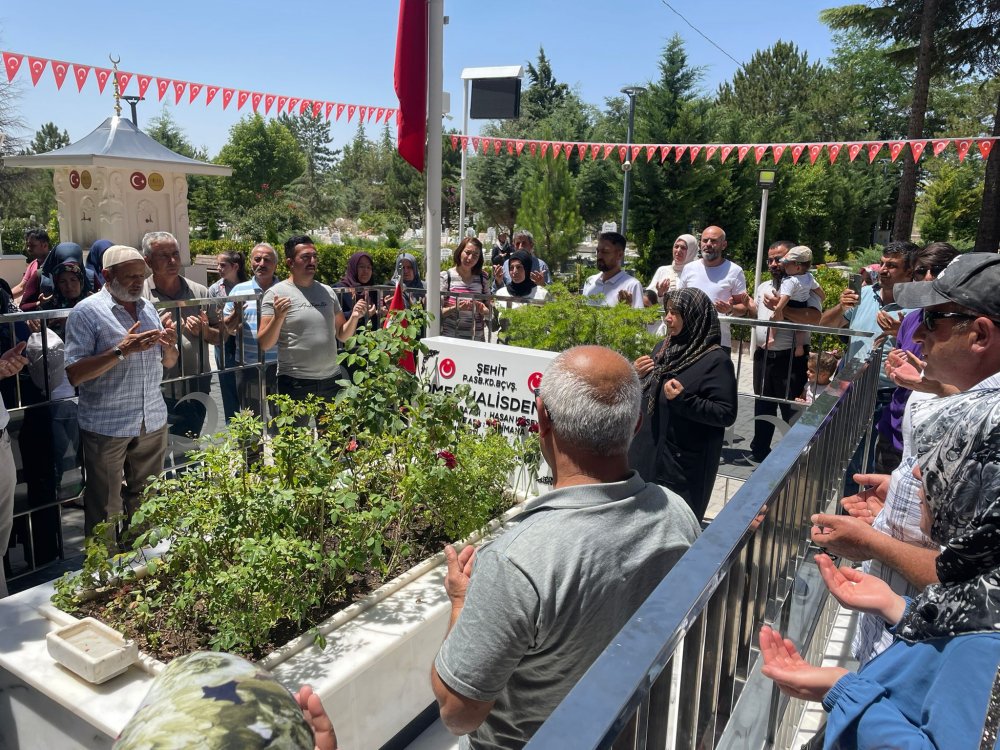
(432, 195)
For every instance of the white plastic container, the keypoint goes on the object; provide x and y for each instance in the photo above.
(92, 650)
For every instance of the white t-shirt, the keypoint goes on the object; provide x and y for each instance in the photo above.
(538, 293)
(783, 338)
(798, 288)
(597, 286)
(720, 283)
(664, 272)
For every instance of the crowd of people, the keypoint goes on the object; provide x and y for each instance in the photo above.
(633, 446)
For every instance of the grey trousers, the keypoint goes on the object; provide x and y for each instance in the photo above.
(106, 460)
(8, 480)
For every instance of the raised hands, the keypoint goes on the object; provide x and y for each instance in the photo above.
(860, 591)
(792, 674)
(868, 502)
(13, 360)
(135, 341)
(456, 581)
(644, 365)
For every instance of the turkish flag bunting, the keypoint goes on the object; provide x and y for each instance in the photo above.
(210, 92)
(962, 146)
(635, 152)
(123, 81)
(532, 147)
(853, 149)
(496, 145)
(679, 152)
(895, 149)
(650, 150)
(179, 91)
(581, 151)
(80, 73)
(340, 110)
(595, 149)
(545, 147)
(475, 143)
(710, 152)
(873, 149)
(454, 143)
(406, 361)
(834, 151)
(741, 152)
(510, 147)
(622, 153)
(378, 114)
(12, 63)
(485, 144)
(985, 146)
(693, 152)
(814, 149)
(193, 90)
(351, 109)
(371, 113)
(726, 151)
(940, 145)
(917, 148)
(59, 70)
(304, 105)
(664, 153)
(465, 142)
(255, 99)
(777, 151)
(758, 152)
(328, 107)
(227, 96)
(606, 149)
(102, 75)
(36, 65)
(143, 80)
(282, 101)
(797, 150)
(567, 150)
(519, 147)
(362, 113)
(162, 85)
(292, 102)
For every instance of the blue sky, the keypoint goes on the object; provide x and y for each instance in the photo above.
(343, 51)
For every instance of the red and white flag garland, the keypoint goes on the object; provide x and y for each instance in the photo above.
(13, 63)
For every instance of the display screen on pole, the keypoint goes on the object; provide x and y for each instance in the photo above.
(495, 99)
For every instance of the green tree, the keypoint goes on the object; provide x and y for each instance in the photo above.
(312, 189)
(264, 156)
(550, 210)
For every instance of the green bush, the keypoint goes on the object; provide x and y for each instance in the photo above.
(14, 228)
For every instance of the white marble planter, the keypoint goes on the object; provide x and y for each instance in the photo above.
(372, 676)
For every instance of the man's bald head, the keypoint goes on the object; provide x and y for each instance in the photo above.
(713, 245)
(592, 395)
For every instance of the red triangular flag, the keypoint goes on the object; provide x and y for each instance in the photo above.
(328, 107)
(797, 150)
(650, 150)
(179, 91)
(371, 113)
(834, 151)
(378, 114)
(497, 142)
(340, 111)
(351, 109)
(255, 99)
(940, 145)
(726, 151)
(895, 149)
(362, 113)
(581, 151)
(268, 102)
(282, 101)
(635, 152)
(545, 147)
(777, 151)
(742, 151)
(454, 143)
(873, 149)
(853, 149)
(693, 152)
(679, 152)
(12, 63)
(227, 96)
(485, 143)
(193, 90)
(406, 361)
(162, 85)
(465, 142)
(664, 152)
(962, 146)
(814, 149)
(36, 65)
(304, 105)
(510, 146)
(533, 147)
(606, 150)
(475, 143)
(567, 149)
(917, 148)
(123, 81)
(985, 146)
(210, 92)
(519, 147)
(80, 73)
(622, 153)
(143, 80)
(292, 102)
(59, 70)
(758, 152)
(710, 152)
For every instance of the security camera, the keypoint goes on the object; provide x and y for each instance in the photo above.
(626, 166)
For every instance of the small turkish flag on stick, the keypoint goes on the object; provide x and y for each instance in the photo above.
(406, 361)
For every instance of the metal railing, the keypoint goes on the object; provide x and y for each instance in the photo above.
(679, 669)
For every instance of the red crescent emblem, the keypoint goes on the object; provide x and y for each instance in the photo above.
(74, 179)
(138, 180)
(534, 380)
(447, 368)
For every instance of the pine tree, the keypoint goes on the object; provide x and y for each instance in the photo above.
(550, 211)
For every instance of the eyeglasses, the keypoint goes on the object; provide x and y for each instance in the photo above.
(538, 395)
(921, 271)
(929, 318)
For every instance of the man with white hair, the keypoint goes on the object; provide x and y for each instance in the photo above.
(531, 610)
(539, 271)
(116, 351)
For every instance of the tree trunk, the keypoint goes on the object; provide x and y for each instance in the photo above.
(988, 233)
(906, 204)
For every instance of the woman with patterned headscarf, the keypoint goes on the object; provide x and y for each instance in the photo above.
(938, 685)
(689, 399)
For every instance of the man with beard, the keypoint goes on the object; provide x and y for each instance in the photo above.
(613, 285)
(116, 349)
(721, 279)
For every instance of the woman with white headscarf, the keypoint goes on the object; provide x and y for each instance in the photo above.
(938, 685)
(685, 250)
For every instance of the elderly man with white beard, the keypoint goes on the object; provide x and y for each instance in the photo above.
(116, 349)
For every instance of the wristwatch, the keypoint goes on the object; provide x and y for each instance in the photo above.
(117, 351)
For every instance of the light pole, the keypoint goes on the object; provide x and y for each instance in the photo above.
(631, 92)
(765, 181)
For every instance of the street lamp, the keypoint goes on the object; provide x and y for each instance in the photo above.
(765, 181)
(631, 92)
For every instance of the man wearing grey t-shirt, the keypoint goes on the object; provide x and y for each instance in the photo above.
(532, 610)
(303, 317)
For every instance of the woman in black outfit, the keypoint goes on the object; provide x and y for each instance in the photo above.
(689, 399)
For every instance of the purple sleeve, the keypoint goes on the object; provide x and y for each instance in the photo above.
(904, 339)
